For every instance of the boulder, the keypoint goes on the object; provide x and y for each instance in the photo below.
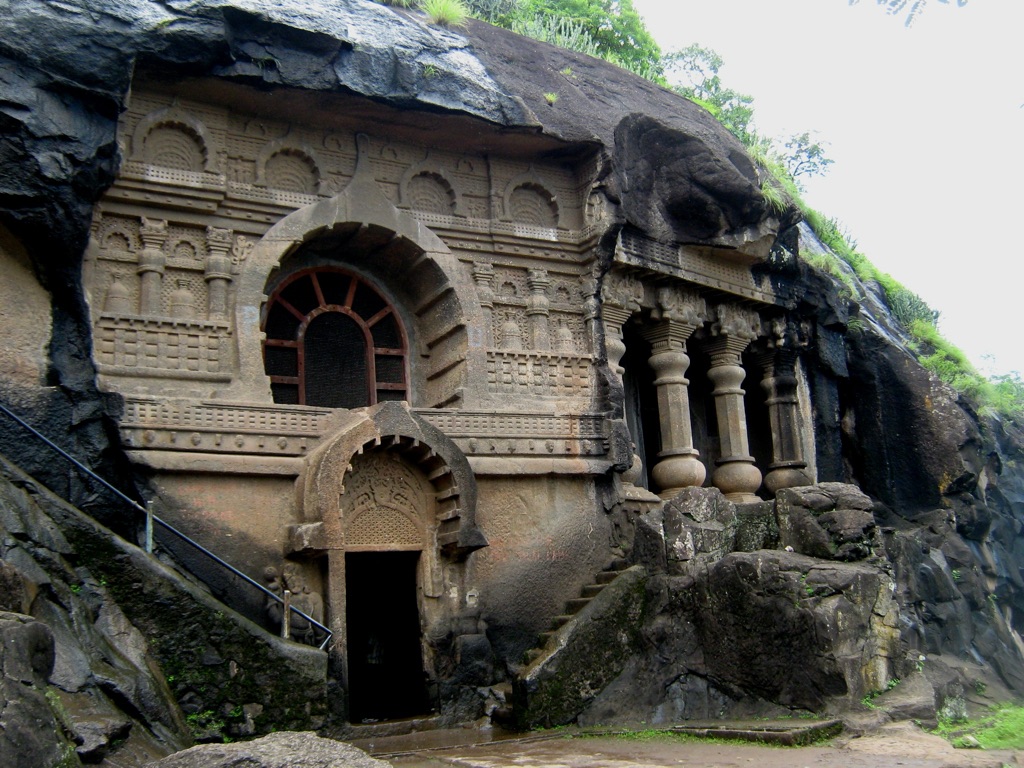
(832, 521)
(31, 734)
(796, 630)
(287, 749)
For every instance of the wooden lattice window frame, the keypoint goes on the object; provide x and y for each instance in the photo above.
(324, 296)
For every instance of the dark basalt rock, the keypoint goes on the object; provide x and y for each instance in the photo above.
(674, 185)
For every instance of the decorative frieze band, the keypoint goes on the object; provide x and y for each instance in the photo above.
(214, 428)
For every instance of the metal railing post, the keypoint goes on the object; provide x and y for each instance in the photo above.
(149, 527)
(286, 617)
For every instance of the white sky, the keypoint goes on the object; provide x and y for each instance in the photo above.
(926, 127)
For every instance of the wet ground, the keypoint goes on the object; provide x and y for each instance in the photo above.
(900, 744)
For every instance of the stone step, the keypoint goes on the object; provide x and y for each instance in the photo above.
(502, 691)
(576, 605)
(618, 564)
(606, 577)
(591, 590)
(559, 621)
(543, 637)
(533, 654)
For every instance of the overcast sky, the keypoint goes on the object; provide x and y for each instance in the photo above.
(926, 127)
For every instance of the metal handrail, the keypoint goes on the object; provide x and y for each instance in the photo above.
(151, 518)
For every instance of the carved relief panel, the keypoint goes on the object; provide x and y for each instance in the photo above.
(386, 504)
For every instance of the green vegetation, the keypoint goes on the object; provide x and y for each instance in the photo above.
(617, 30)
(1001, 728)
(445, 13)
(551, 98)
(869, 700)
(653, 734)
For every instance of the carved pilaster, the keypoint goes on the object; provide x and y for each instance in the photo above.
(483, 277)
(621, 296)
(680, 313)
(218, 271)
(735, 327)
(537, 308)
(151, 266)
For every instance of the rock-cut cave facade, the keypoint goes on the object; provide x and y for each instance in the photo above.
(379, 359)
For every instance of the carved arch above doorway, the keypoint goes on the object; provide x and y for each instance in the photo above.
(395, 428)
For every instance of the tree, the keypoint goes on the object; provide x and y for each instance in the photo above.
(804, 156)
(913, 8)
(696, 69)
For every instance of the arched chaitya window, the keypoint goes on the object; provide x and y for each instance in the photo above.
(333, 341)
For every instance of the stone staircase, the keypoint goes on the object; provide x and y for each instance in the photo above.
(574, 606)
(583, 650)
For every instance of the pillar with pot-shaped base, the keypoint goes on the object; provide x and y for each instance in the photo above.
(788, 468)
(736, 474)
(538, 309)
(679, 313)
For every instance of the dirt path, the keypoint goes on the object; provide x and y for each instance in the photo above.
(900, 744)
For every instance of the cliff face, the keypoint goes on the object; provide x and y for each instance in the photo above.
(947, 484)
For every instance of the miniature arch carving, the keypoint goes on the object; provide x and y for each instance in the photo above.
(176, 119)
(414, 193)
(528, 199)
(299, 154)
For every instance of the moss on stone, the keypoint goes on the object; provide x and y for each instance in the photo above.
(213, 659)
(590, 651)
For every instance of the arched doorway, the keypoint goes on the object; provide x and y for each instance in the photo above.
(334, 341)
(387, 510)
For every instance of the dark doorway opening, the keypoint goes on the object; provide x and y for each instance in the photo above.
(385, 662)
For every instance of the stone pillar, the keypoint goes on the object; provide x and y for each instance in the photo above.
(788, 468)
(537, 309)
(483, 276)
(736, 476)
(680, 313)
(151, 266)
(218, 271)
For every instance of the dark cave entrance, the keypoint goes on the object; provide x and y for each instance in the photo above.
(385, 661)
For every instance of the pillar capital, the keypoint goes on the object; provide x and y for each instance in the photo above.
(732, 331)
(153, 233)
(483, 277)
(622, 291)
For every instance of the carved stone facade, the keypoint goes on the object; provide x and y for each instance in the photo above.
(339, 340)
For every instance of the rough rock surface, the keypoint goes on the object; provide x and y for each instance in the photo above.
(277, 750)
(107, 681)
(31, 732)
(78, 678)
(796, 630)
(831, 521)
